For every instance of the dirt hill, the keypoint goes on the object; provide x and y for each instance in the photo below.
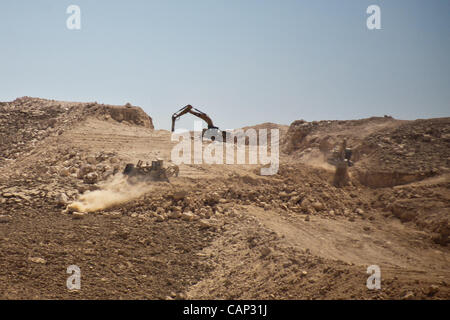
(219, 231)
(387, 151)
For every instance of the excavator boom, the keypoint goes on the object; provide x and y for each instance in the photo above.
(190, 109)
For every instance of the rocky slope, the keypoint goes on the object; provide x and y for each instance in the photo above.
(26, 121)
(216, 231)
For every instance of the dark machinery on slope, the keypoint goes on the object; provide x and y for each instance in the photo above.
(341, 155)
(340, 158)
(153, 172)
(209, 133)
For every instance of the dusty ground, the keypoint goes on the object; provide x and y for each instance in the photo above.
(219, 231)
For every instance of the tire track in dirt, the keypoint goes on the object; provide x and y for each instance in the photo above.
(386, 244)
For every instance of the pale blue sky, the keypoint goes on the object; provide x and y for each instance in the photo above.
(241, 61)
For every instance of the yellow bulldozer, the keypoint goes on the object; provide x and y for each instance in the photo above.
(154, 172)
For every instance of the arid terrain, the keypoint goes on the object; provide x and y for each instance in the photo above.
(219, 231)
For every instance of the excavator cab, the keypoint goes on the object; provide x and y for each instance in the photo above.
(212, 133)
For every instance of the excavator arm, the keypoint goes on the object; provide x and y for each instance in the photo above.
(190, 109)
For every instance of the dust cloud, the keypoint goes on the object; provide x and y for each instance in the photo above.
(317, 159)
(112, 192)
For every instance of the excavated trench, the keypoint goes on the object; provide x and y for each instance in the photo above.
(382, 179)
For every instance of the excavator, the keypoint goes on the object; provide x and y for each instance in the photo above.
(212, 130)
